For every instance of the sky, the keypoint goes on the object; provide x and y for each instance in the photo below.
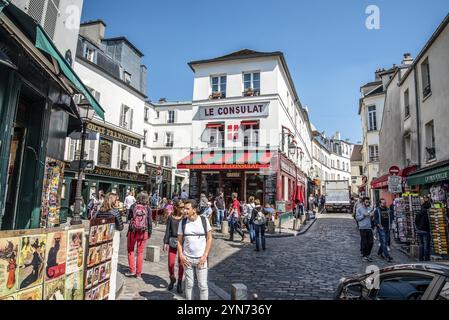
(329, 50)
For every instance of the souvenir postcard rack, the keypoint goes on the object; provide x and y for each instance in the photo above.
(439, 229)
(405, 211)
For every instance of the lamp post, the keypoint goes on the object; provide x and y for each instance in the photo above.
(86, 115)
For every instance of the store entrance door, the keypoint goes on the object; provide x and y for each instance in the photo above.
(231, 186)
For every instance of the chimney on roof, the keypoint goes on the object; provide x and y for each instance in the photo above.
(93, 30)
(162, 100)
(408, 60)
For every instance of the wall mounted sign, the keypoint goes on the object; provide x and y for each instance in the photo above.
(105, 153)
(99, 171)
(114, 135)
(234, 111)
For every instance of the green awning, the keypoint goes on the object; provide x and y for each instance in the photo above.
(429, 176)
(3, 3)
(45, 44)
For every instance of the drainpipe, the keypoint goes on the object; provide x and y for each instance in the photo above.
(418, 116)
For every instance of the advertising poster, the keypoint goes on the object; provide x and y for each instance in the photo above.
(51, 202)
(31, 261)
(34, 294)
(74, 289)
(9, 249)
(75, 251)
(55, 290)
(56, 255)
(93, 235)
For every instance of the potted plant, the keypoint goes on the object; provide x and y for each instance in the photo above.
(216, 95)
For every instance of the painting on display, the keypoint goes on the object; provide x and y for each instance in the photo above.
(56, 255)
(31, 261)
(74, 289)
(75, 251)
(9, 249)
(11, 297)
(30, 294)
(55, 290)
(51, 193)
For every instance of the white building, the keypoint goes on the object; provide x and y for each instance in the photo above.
(358, 185)
(250, 133)
(371, 112)
(168, 138)
(108, 68)
(60, 20)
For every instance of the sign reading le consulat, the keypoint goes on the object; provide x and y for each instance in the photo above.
(234, 111)
(114, 135)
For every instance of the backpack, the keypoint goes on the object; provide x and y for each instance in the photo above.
(154, 201)
(259, 217)
(203, 221)
(139, 221)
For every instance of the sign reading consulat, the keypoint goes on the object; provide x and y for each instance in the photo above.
(253, 110)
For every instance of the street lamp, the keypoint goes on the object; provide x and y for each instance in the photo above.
(86, 113)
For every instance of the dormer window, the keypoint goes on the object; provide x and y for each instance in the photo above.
(127, 77)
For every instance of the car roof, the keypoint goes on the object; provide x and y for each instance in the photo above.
(436, 268)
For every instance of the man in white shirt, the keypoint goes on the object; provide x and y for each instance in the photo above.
(194, 244)
(130, 200)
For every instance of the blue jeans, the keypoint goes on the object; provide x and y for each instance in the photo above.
(383, 239)
(260, 235)
(251, 230)
(234, 227)
(220, 217)
(424, 245)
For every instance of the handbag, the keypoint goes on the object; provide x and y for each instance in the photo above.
(173, 242)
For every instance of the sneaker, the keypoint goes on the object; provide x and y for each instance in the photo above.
(390, 259)
(370, 259)
(389, 249)
(138, 276)
(365, 259)
(130, 275)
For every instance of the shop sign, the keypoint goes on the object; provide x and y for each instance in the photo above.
(105, 153)
(288, 168)
(395, 184)
(234, 111)
(433, 176)
(114, 135)
(233, 175)
(119, 174)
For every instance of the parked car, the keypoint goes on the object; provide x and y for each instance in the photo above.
(402, 282)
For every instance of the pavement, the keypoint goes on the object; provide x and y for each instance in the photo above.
(303, 267)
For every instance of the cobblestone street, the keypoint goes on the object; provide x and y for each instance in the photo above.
(304, 267)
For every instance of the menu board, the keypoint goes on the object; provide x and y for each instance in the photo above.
(270, 189)
(99, 259)
(194, 192)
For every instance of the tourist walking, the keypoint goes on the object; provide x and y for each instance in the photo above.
(140, 228)
(382, 220)
(184, 195)
(220, 206)
(108, 210)
(235, 214)
(194, 244)
(155, 200)
(422, 224)
(171, 246)
(248, 218)
(364, 216)
(130, 200)
(260, 221)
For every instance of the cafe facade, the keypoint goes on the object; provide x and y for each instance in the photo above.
(250, 135)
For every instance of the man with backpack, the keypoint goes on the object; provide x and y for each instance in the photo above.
(382, 220)
(140, 228)
(194, 244)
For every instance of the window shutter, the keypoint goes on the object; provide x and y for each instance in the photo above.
(72, 150)
(129, 157)
(122, 109)
(131, 114)
(119, 146)
(92, 150)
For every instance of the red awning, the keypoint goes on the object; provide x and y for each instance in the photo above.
(214, 125)
(382, 182)
(250, 123)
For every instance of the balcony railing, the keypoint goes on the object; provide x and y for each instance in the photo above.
(431, 154)
(251, 93)
(374, 159)
(217, 95)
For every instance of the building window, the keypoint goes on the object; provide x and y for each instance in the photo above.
(145, 137)
(218, 87)
(156, 137)
(147, 114)
(251, 134)
(360, 170)
(154, 159)
(89, 54)
(372, 118)
(169, 139)
(127, 77)
(430, 141)
(425, 73)
(215, 135)
(166, 161)
(407, 103)
(338, 164)
(408, 150)
(144, 158)
(171, 116)
(251, 83)
(157, 114)
(126, 117)
(373, 153)
(95, 93)
(124, 157)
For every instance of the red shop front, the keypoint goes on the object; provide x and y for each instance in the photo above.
(291, 182)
